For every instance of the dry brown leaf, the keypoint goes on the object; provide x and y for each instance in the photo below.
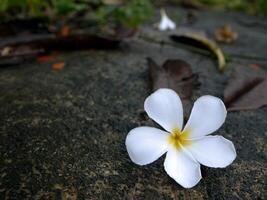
(47, 57)
(58, 66)
(174, 74)
(225, 34)
(44, 58)
(246, 89)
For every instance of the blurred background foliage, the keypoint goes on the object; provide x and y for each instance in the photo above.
(129, 13)
(122, 12)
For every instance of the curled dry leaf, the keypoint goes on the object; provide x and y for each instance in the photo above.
(246, 89)
(47, 57)
(225, 34)
(201, 42)
(174, 74)
(58, 66)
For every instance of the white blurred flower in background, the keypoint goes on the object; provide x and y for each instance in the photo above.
(165, 23)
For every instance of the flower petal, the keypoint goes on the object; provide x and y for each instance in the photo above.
(180, 165)
(213, 151)
(165, 22)
(208, 114)
(146, 144)
(165, 107)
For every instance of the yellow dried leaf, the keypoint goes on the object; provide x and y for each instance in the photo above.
(210, 45)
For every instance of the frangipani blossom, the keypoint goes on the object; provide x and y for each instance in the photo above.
(187, 147)
(165, 22)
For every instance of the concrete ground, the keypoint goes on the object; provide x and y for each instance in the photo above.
(62, 133)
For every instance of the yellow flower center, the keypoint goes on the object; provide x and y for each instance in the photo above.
(179, 138)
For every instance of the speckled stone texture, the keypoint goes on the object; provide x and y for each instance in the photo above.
(62, 133)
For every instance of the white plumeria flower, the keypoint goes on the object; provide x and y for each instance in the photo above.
(186, 147)
(165, 22)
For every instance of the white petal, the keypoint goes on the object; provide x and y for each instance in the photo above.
(163, 26)
(166, 24)
(172, 25)
(146, 144)
(165, 107)
(207, 116)
(213, 151)
(182, 168)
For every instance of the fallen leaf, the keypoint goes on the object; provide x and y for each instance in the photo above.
(47, 57)
(225, 34)
(201, 42)
(44, 58)
(246, 89)
(175, 74)
(58, 66)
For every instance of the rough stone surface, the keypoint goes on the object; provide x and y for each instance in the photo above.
(62, 133)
